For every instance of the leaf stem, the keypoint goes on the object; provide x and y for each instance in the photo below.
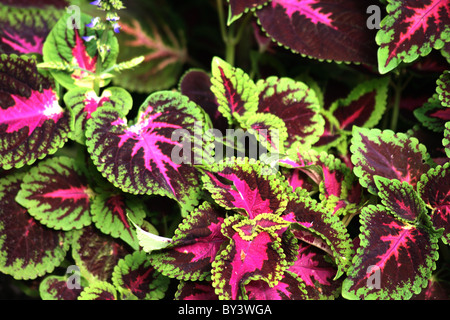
(396, 109)
(230, 38)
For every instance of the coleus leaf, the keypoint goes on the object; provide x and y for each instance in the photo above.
(157, 37)
(364, 105)
(194, 246)
(139, 159)
(56, 194)
(234, 89)
(395, 258)
(327, 30)
(255, 252)
(338, 186)
(328, 231)
(134, 275)
(96, 254)
(27, 248)
(29, 112)
(432, 114)
(446, 139)
(443, 88)
(55, 288)
(196, 85)
(238, 7)
(82, 102)
(400, 198)
(25, 29)
(112, 212)
(195, 290)
(316, 272)
(244, 184)
(411, 29)
(434, 189)
(66, 47)
(387, 154)
(290, 287)
(99, 290)
(294, 103)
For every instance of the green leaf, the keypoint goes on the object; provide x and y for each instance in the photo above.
(99, 290)
(135, 276)
(65, 46)
(150, 241)
(446, 140)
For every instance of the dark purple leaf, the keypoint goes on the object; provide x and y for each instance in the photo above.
(195, 290)
(395, 258)
(97, 254)
(411, 29)
(194, 246)
(434, 189)
(323, 29)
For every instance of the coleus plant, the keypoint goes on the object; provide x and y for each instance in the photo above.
(117, 184)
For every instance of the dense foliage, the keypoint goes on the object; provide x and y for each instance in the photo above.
(240, 149)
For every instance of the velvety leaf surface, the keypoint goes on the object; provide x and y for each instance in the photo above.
(411, 29)
(29, 112)
(290, 287)
(66, 47)
(194, 246)
(363, 107)
(27, 248)
(56, 194)
(323, 29)
(55, 288)
(396, 256)
(196, 85)
(96, 254)
(195, 290)
(243, 184)
(387, 154)
(139, 158)
(400, 198)
(134, 275)
(434, 189)
(316, 272)
(82, 102)
(294, 103)
(24, 29)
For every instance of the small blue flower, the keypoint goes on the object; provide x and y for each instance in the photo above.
(97, 3)
(88, 38)
(116, 27)
(93, 22)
